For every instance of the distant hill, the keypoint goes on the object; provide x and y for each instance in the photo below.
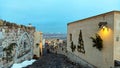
(54, 35)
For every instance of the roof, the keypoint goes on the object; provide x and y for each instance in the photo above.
(94, 16)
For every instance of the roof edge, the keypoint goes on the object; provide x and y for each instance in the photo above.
(94, 16)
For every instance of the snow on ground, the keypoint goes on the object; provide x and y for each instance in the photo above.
(23, 64)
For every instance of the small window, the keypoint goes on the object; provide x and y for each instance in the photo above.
(37, 45)
(70, 37)
(117, 38)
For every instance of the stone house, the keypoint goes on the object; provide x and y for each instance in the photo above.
(95, 41)
(38, 47)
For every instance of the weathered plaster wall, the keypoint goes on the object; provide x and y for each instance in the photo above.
(117, 36)
(89, 27)
(38, 40)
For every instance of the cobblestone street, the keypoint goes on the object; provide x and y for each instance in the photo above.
(52, 60)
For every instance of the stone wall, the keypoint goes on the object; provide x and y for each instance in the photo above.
(16, 42)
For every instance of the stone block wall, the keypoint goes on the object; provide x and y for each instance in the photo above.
(16, 43)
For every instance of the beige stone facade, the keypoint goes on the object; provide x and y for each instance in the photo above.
(38, 44)
(89, 28)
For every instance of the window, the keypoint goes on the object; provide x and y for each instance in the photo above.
(70, 37)
(117, 38)
(37, 45)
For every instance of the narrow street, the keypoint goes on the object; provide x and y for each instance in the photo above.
(52, 60)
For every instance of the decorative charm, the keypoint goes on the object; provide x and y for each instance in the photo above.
(73, 47)
(80, 47)
(98, 42)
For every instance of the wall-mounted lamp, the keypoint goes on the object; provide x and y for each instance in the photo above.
(103, 25)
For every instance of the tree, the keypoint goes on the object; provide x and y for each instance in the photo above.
(97, 42)
(80, 47)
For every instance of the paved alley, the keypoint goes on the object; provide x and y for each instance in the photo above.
(52, 60)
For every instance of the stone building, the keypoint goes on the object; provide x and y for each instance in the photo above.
(16, 43)
(38, 47)
(95, 41)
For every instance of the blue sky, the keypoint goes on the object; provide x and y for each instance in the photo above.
(53, 15)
